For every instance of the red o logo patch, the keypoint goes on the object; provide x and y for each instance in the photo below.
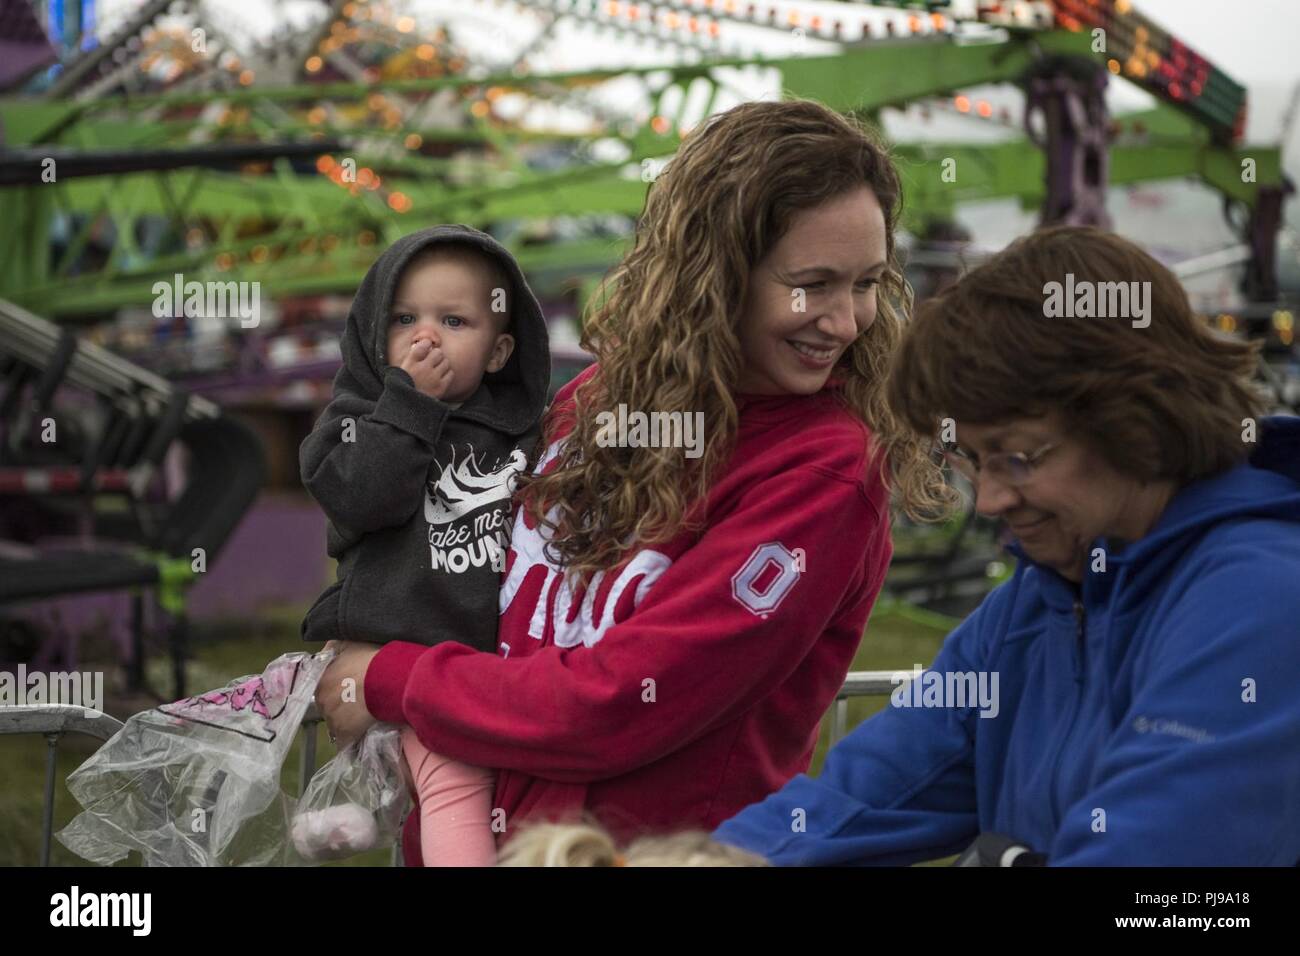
(766, 578)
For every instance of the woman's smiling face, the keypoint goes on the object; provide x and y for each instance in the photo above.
(790, 340)
(1073, 495)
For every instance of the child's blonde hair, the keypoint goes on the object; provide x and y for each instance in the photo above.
(588, 844)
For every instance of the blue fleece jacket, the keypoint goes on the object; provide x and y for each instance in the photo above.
(1150, 717)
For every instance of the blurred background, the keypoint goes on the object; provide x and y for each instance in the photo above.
(152, 524)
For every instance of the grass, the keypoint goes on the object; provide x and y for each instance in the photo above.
(892, 642)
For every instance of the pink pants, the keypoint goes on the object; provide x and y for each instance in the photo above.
(455, 807)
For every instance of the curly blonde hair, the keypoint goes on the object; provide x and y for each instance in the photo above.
(589, 844)
(663, 327)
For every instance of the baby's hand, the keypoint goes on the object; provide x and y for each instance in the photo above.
(428, 368)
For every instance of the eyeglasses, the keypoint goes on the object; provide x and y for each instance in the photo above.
(1009, 468)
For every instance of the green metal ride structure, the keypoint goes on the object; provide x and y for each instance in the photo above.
(171, 148)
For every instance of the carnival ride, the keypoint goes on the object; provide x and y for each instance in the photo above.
(291, 163)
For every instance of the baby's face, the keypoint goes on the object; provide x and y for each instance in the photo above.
(449, 302)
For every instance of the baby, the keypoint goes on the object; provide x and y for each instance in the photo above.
(437, 407)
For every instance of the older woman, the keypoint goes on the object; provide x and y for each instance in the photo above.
(1148, 647)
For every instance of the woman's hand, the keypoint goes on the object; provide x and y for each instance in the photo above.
(341, 694)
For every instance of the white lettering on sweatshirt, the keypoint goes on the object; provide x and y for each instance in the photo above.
(555, 599)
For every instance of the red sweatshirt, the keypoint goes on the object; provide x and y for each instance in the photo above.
(689, 682)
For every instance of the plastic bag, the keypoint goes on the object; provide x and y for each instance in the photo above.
(197, 782)
(356, 801)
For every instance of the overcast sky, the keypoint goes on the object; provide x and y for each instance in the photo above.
(1254, 41)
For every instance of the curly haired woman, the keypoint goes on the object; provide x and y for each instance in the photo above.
(673, 627)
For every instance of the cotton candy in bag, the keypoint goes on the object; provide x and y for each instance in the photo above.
(354, 802)
(197, 782)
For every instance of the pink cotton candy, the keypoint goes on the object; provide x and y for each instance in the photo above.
(334, 832)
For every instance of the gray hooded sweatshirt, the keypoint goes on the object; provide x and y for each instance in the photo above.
(417, 491)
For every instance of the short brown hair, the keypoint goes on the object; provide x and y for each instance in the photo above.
(1165, 401)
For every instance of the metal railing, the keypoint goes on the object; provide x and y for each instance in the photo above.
(56, 720)
(858, 684)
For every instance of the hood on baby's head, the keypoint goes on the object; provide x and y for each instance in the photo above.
(518, 389)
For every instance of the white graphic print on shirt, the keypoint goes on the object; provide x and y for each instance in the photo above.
(555, 599)
(468, 511)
